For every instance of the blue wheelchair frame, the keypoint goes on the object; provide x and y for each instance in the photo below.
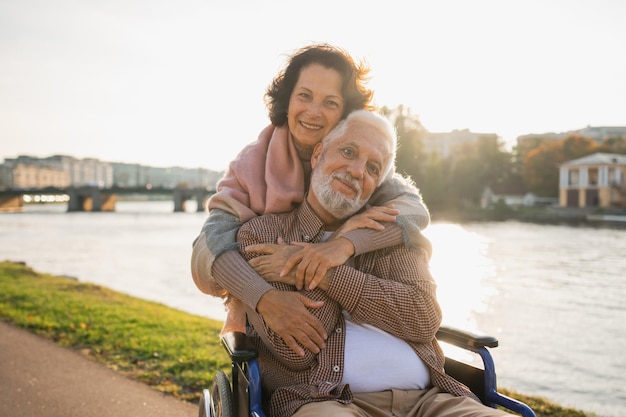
(240, 396)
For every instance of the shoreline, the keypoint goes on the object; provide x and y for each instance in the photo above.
(575, 217)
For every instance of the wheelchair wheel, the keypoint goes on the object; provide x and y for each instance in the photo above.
(219, 401)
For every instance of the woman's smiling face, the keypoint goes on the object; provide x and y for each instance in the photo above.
(316, 104)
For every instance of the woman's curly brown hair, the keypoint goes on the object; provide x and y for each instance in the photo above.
(354, 77)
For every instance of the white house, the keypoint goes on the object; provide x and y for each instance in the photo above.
(597, 180)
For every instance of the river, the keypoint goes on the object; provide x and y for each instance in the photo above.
(552, 294)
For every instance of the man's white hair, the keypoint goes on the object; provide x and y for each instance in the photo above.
(382, 124)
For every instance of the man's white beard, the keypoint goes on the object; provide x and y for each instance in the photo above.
(332, 201)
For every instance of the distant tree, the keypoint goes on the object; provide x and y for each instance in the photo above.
(410, 142)
(541, 174)
(576, 146)
(447, 182)
(522, 149)
(475, 165)
(541, 165)
(615, 144)
(434, 182)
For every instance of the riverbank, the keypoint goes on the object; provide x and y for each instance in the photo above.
(593, 216)
(171, 351)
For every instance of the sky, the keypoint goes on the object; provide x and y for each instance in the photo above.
(181, 82)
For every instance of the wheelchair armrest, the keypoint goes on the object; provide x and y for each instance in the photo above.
(239, 347)
(462, 338)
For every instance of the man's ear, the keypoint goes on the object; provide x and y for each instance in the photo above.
(317, 153)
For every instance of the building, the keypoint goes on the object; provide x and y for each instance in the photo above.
(32, 172)
(88, 171)
(21, 175)
(62, 171)
(602, 133)
(512, 195)
(598, 133)
(134, 175)
(597, 180)
(445, 143)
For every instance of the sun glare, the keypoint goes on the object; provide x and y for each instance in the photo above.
(460, 265)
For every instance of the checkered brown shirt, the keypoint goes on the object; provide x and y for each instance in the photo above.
(391, 289)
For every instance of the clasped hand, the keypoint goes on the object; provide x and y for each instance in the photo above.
(307, 265)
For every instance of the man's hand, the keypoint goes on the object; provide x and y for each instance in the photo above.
(285, 312)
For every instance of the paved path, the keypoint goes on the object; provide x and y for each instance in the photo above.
(39, 378)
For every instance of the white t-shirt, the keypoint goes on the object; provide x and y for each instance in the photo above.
(377, 361)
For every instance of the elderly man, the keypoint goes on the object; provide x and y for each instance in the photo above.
(379, 310)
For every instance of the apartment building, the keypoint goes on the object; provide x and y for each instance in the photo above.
(63, 171)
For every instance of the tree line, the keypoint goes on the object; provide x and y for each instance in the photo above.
(457, 181)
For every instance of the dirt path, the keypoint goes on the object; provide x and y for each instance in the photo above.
(39, 378)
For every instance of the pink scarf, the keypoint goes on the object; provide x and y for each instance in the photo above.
(266, 177)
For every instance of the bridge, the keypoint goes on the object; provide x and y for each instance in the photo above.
(95, 199)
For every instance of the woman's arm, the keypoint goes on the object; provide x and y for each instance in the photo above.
(219, 234)
(412, 219)
(404, 227)
(397, 294)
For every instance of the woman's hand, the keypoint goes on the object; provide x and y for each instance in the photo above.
(371, 218)
(272, 261)
(314, 260)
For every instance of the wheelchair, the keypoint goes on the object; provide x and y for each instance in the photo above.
(240, 395)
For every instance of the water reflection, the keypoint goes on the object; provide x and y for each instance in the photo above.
(552, 295)
(462, 269)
